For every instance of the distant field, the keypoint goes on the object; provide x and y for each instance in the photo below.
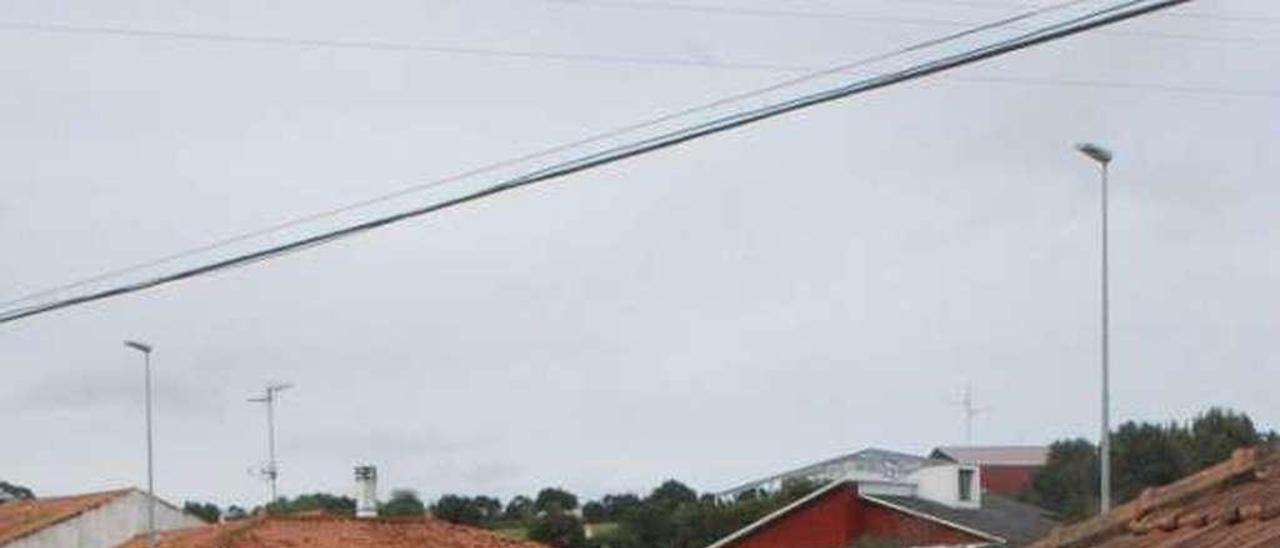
(516, 530)
(602, 529)
(512, 530)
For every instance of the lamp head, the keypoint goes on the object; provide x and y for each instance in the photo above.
(141, 347)
(1096, 152)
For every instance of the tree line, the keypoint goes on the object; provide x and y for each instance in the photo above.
(671, 515)
(1143, 454)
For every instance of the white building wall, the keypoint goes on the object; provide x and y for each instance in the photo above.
(941, 484)
(108, 525)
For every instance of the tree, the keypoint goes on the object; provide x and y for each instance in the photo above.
(403, 502)
(490, 507)
(1145, 454)
(206, 511)
(674, 516)
(594, 512)
(234, 513)
(311, 502)
(672, 493)
(1068, 482)
(558, 529)
(553, 499)
(617, 505)
(1218, 432)
(518, 508)
(458, 509)
(15, 491)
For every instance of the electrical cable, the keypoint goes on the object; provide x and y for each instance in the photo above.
(1119, 12)
(616, 132)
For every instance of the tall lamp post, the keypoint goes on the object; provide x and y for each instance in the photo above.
(1103, 157)
(151, 495)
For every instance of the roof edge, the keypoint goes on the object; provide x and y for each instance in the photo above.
(927, 516)
(111, 495)
(757, 524)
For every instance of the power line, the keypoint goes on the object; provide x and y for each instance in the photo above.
(549, 151)
(1104, 84)
(1098, 84)
(1099, 18)
(1209, 91)
(916, 21)
(372, 45)
(1252, 19)
(385, 45)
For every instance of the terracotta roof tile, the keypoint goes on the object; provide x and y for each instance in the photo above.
(333, 532)
(1232, 504)
(24, 517)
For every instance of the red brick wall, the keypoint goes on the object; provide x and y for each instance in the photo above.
(837, 518)
(1006, 480)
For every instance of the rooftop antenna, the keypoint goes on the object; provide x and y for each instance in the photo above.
(271, 471)
(970, 411)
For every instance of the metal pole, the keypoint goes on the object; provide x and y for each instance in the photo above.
(271, 441)
(1105, 449)
(151, 492)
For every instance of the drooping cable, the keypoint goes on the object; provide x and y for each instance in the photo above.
(1106, 16)
(595, 138)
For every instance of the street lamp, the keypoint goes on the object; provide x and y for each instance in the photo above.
(151, 495)
(1103, 157)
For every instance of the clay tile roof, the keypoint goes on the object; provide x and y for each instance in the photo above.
(20, 518)
(327, 531)
(1006, 455)
(1234, 504)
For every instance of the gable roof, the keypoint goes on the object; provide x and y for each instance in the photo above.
(869, 463)
(328, 531)
(770, 518)
(1016, 523)
(1009, 521)
(1233, 504)
(998, 455)
(21, 518)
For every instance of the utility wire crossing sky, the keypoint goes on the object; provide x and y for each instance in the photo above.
(1101, 17)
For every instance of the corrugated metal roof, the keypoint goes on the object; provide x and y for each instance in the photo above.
(867, 464)
(1234, 504)
(999, 455)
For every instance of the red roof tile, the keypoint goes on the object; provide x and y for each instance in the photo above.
(1234, 504)
(326, 531)
(24, 517)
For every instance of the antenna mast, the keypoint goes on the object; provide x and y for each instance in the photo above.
(272, 470)
(970, 411)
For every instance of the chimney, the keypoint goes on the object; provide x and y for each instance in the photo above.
(366, 491)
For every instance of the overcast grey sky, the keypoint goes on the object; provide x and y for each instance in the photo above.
(813, 285)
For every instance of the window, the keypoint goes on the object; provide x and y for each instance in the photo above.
(966, 484)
